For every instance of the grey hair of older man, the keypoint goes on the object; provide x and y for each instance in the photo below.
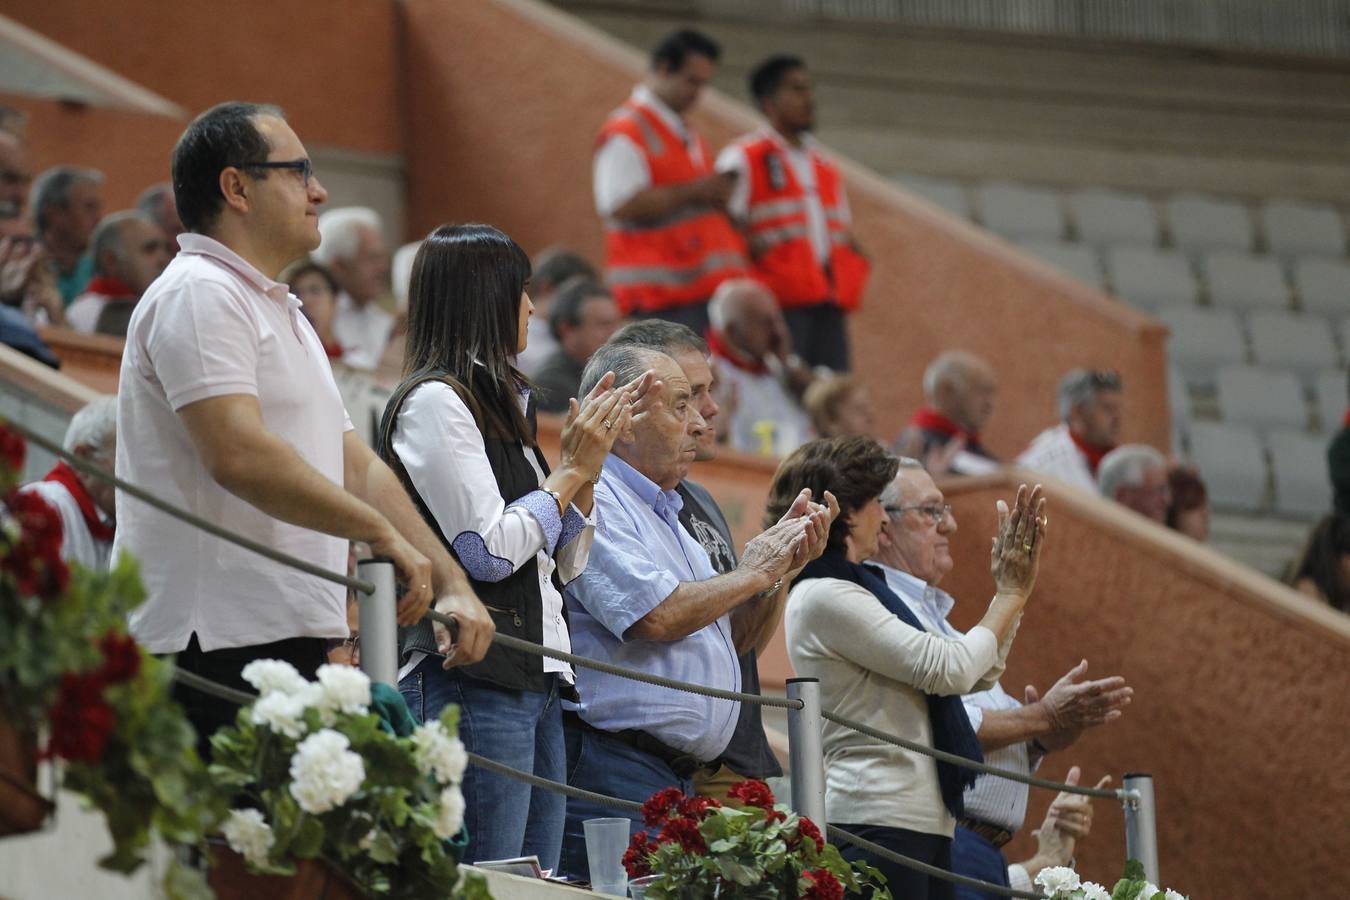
(109, 236)
(52, 188)
(340, 230)
(1125, 466)
(626, 361)
(1081, 386)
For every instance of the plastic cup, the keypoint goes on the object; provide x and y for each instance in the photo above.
(606, 841)
(637, 888)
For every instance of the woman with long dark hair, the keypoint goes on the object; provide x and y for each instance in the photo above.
(460, 432)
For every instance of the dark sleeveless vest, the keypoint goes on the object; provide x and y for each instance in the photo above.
(514, 602)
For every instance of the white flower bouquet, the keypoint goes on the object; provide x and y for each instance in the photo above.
(1063, 883)
(317, 774)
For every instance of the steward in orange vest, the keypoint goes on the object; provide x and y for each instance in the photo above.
(791, 206)
(668, 241)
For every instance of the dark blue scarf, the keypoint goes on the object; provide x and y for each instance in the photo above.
(946, 715)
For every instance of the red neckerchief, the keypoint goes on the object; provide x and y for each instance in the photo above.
(931, 420)
(64, 475)
(333, 349)
(1346, 423)
(1094, 454)
(109, 287)
(721, 348)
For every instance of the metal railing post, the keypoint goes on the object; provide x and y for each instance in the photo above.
(379, 621)
(806, 758)
(1141, 826)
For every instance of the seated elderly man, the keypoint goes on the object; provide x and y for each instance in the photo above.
(352, 247)
(914, 555)
(753, 348)
(959, 390)
(157, 202)
(130, 251)
(85, 503)
(1135, 475)
(582, 316)
(66, 202)
(650, 599)
(1091, 405)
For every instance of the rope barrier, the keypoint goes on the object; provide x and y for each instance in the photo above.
(839, 835)
(963, 762)
(233, 695)
(537, 649)
(183, 515)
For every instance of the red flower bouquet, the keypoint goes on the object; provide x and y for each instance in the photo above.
(752, 850)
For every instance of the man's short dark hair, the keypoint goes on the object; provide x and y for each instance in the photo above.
(554, 265)
(570, 301)
(659, 334)
(767, 77)
(676, 47)
(225, 135)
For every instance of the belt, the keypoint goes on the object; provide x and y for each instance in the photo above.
(994, 834)
(683, 764)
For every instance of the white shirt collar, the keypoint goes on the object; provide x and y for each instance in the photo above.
(936, 602)
(202, 245)
(645, 96)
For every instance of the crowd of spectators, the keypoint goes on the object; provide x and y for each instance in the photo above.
(736, 275)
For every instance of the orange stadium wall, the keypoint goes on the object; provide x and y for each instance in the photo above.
(505, 98)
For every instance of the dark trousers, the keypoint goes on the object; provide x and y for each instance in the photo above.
(695, 315)
(207, 712)
(819, 335)
(974, 856)
(933, 849)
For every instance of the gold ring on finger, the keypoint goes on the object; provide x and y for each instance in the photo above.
(608, 424)
(1027, 547)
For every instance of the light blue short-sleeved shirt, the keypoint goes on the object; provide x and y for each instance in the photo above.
(640, 555)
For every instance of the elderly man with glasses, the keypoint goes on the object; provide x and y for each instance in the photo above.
(914, 555)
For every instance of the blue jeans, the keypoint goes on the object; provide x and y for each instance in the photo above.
(972, 855)
(606, 765)
(522, 729)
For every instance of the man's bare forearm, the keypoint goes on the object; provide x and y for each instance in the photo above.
(655, 203)
(753, 624)
(697, 604)
(1004, 727)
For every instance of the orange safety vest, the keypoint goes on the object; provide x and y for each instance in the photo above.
(777, 229)
(682, 258)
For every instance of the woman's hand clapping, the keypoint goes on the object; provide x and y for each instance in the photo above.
(598, 419)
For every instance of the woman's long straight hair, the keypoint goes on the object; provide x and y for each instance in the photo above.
(464, 319)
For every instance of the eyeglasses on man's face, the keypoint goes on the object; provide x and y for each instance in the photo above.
(935, 511)
(303, 166)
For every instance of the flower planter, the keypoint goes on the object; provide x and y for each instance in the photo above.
(22, 808)
(314, 879)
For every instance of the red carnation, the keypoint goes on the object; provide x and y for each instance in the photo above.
(640, 847)
(807, 829)
(12, 449)
(81, 721)
(40, 521)
(697, 807)
(685, 833)
(36, 573)
(752, 793)
(121, 657)
(824, 886)
(659, 806)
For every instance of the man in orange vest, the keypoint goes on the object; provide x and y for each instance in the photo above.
(789, 201)
(668, 241)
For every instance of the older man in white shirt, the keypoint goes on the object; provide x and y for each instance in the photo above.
(354, 250)
(914, 556)
(227, 408)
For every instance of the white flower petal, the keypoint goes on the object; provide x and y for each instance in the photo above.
(324, 772)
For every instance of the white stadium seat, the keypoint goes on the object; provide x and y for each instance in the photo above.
(1202, 341)
(1303, 228)
(944, 192)
(1242, 281)
(1016, 210)
(1285, 341)
(1232, 464)
(1079, 261)
(1151, 278)
(1203, 223)
(1265, 398)
(1114, 217)
(1332, 399)
(1323, 285)
(1298, 463)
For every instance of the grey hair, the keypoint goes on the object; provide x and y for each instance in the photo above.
(949, 366)
(1081, 386)
(661, 335)
(626, 361)
(339, 231)
(93, 426)
(1125, 467)
(52, 188)
(150, 199)
(108, 238)
(891, 493)
(721, 308)
(400, 272)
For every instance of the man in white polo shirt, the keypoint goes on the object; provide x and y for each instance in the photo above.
(227, 407)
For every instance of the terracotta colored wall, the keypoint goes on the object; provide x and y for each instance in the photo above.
(332, 66)
(504, 100)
